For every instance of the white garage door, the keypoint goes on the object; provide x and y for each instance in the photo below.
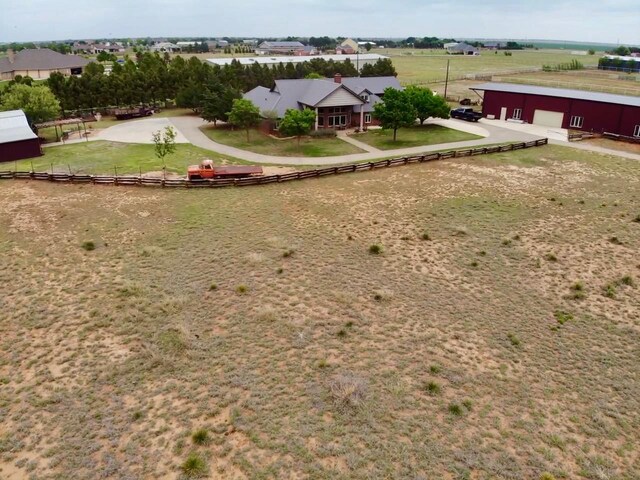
(547, 118)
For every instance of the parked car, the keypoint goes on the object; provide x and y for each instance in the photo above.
(466, 113)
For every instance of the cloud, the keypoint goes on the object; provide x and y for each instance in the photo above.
(601, 20)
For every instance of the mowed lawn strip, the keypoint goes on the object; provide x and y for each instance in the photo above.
(101, 157)
(413, 137)
(266, 145)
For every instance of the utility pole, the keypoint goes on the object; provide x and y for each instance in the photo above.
(446, 81)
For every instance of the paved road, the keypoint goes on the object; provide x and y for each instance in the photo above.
(190, 128)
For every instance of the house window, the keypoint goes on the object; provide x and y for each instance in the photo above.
(517, 114)
(636, 131)
(338, 110)
(320, 121)
(576, 122)
(365, 97)
(337, 120)
(367, 118)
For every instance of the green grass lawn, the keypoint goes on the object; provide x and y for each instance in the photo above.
(261, 143)
(424, 66)
(413, 137)
(101, 157)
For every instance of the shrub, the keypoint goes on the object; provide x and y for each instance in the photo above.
(432, 388)
(515, 341)
(201, 437)
(342, 333)
(241, 289)
(279, 270)
(562, 317)
(349, 324)
(213, 286)
(474, 264)
(425, 236)
(137, 415)
(637, 219)
(377, 297)
(506, 242)
(547, 476)
(348, 390)
(468, 404)
(194, 466)
(627, 280)
(550, 257)
(323, 363)
(455, 409)
(609, 290)
(88, 245)
(435, 369)
(482, 253)
(577, 291)
(375, 249)
(615, 241)
(323, 133)
(288, 253)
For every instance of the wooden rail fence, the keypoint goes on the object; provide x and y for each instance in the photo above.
(139, 180)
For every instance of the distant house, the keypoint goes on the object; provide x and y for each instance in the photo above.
(339, 102)
(108, 48)
(347, 47)
(39, 64)
(494, 45)
(165, 47)
(17, 140)
(86, 48)
(218, 44)
(291, 48)
(365, 43)
(461, 48)
(250, 42)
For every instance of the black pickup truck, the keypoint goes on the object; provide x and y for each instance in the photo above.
(466, 113)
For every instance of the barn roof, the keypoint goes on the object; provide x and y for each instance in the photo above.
(560, 92)
(41, 59)
(14, 127)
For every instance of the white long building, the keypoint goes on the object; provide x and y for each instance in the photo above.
(358, 60)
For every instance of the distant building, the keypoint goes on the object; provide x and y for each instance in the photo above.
(220, 44)
(364, 44)
(358, 60)
(338, 103)
(165, 47)
(461, 48)
(494, 45)
(39, 64)
(17, 140)
(250, 42)
(347, 47)
(287, 48)
(108, 47)
(186, 44)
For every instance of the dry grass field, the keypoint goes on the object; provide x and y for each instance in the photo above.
(466, 319)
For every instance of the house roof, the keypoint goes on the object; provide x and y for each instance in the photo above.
(268, 60)
(41, 59)
(14, 127)
(375, 85)
(288, 94)
(282, 44)
(559, 92)
(461, 46)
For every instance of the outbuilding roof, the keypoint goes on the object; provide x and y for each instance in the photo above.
(560, 92)
(41, 59)
(14, 127)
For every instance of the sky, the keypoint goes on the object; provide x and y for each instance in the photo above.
(605, 21)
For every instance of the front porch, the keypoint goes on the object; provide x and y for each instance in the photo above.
(342, 118)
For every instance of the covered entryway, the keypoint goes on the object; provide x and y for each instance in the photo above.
(548, 118)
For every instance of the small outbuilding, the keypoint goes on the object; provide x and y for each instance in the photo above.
(17, 140)
(562, 108)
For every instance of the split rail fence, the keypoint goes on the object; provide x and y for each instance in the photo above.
(140, 180)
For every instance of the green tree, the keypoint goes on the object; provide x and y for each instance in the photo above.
(38, 102)
(312, 75)
(426, 103)
(244, 114)
(165, 143)
(298, 122)
(395, 111)
(217, 102)
(106, 57)
(190, 96)
(367, 47)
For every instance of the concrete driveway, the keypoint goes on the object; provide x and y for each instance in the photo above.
(138, 131)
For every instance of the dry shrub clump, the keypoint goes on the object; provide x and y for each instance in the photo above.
(348, 390)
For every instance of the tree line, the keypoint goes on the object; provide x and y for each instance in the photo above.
(155, 78)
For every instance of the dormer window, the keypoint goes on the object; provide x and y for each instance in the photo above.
(365, 97)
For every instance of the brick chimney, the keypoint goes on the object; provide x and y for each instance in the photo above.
(337, 78)
(11, 54)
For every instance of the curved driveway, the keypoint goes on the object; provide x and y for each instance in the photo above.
(190, 128)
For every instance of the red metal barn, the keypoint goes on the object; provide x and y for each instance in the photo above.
(17, 140)
(562, 108)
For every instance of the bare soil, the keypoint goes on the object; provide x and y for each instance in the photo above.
(496, 335)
